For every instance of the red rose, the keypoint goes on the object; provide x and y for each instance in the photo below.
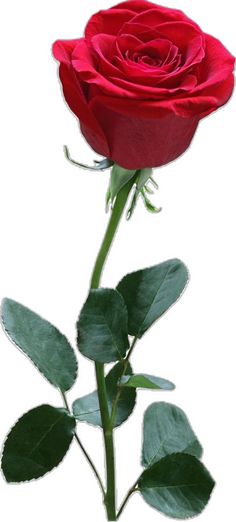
(140, 81)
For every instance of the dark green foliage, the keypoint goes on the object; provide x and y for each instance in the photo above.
(166, 430)
(37, 443)
(142, 380)
(87, 408)
(174, 482)
(150, 292)
(47, 348)
(177, 485)
(102, 326)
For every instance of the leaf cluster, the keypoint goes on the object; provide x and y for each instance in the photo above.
(174, 480)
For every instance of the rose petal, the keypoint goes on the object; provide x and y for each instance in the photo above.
(181, 34)
(107, 22)
(63, 49)
(101, 45)
(215, 83)
(158, 48)
(205, 104)
(150, 109)
(159, 15)
(139, 142)
(217, 66)
(150, 92)
(193, 55)
(137, 6)
(76, 100)
(172, 55)
(141, 31)
(126, 43)
(188, 82)
(83, 63)
(142, 72)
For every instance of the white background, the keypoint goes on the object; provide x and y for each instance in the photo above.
(52, 221)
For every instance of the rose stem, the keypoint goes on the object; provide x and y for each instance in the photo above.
(110, 497)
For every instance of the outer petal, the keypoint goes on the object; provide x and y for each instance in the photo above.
(183, 34)
(150, 93)
(217, 66)
(63, 49)
(140, 6)
(159, 15)
(136, 5)
(137, 143)
(111, 21)
(75, 97)
(215, 84)
(107, 22)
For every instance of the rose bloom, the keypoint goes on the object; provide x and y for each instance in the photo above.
(140, 81)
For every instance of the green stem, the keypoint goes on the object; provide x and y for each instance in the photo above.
(116, 214)
(84, 450)
(117, 398)
(130, 492)
(110, 497)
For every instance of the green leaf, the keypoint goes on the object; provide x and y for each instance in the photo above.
(102, 326)
(178, 486)
(47, 348)
(119, 178)
(37, 443)
(142, 380)
(87, 408)
(148, 293)
(167, 430)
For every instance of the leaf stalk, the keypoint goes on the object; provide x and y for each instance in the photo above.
(88, 458)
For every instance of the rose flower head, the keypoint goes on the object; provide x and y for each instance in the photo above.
(140, 81)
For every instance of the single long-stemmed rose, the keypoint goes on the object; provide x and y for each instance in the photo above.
(139, 82)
